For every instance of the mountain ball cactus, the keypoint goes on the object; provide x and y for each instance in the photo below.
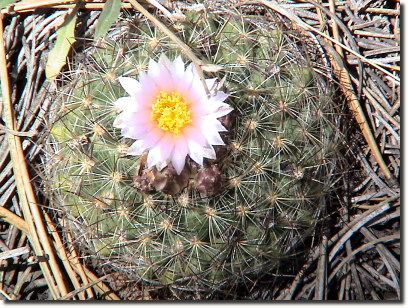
(239, 190)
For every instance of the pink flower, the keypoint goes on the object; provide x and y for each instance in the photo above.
(170, 115)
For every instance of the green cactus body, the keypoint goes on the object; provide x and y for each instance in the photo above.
(269, 182)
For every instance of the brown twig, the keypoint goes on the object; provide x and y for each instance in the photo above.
(83, 288)
(29, 5)
(364, 247)
(4, 130)
(78, 266)
(61, 250)
(101, 287)
(37, 233)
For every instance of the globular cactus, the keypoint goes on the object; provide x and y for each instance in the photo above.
(236, 215)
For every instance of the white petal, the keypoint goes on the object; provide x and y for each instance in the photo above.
(131, 86)
(127, 119)
(164, 61)
(195, 152)
(161, 151)
(216, 105)
(154, 68)
(210, 83)
(178, 162)
(154, 156)
(222, 110)
(135, 132)
(218, 110)
(136, 148)
(209, 152)
(185, 79)
(164, 81)
(178, 157)
(120, 121)
(220, 96)
(161, 165)
(179, 66)
(126, 103)
(192, 71)
(193, 133)
(212, 135)
(143, 77)
(153, 137)
(183, 85)
(218, 126)
(198, 86)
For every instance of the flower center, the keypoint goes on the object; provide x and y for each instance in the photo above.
(171, 112)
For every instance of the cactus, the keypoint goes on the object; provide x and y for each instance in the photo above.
(232, 218)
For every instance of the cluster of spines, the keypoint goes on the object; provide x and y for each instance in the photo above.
(274, 169)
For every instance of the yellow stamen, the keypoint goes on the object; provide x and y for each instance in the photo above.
(171, 112)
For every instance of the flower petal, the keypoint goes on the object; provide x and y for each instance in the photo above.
(218, 110)
(167, 143)
(210, 121)
(154, 156)
(135, 132)
(216, 103)
(197, 85)
(153, 69)
(219, 96)
(179, 66)
(195, 152)
(126, 119)
(152, 137)
(193, 133)
(150, 88)
(126, 103)
(161, 165)
(197, 109)
(165, 62)
(178, 162)
(131, 86)
(209, 152)
(210, 83)
(222, 110)
(146, 98)
(136, 148)
(164, 82)
(212, 135)
(160, 74)
(120, 121)
(161, 151)
(178, 158)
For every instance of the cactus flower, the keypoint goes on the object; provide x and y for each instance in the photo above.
(170, 115)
